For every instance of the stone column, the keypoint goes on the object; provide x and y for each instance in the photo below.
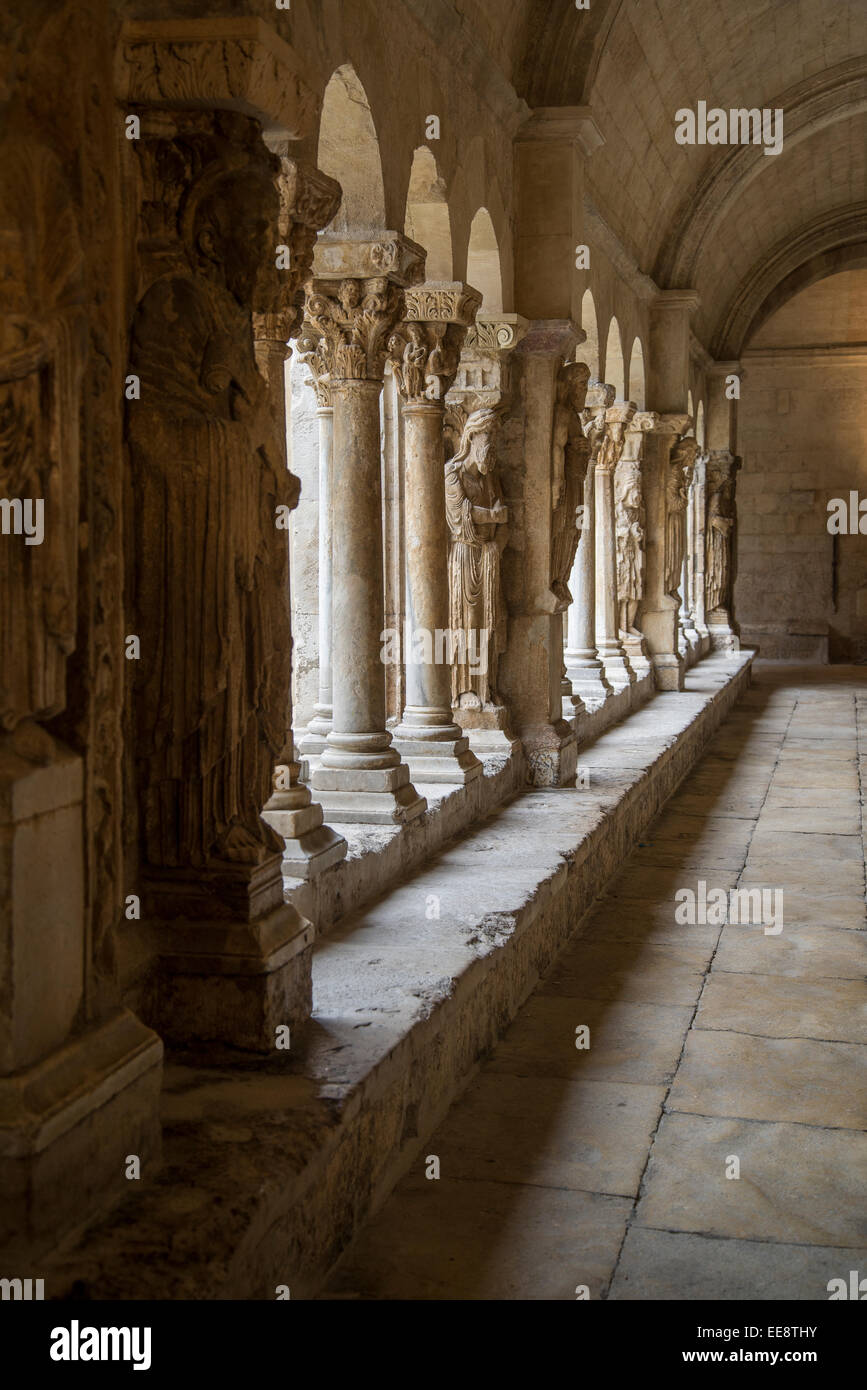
(571, 456)
(721, 513)
(475, 404)
(353, 302)
(699, 532)
(687, 607)
(631, 519)
(308, 200)
(313, 741)
(658, 613)
(617, 669)
(667, 391)
(531, 666)
(722, 469)
(583, 666)
(425, 354)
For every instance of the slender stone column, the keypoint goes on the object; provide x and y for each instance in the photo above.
(658, 614)
(311, 198)
(687, 606)
(319, 727)
(721, 513)
(608, 644)
(532, 664)
(583, 666)
(571, 456)
(631, 517)
(699, 531)
(425, 354)
(722, 469)
(352, 304)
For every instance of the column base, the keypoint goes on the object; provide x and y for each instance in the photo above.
(588, 681)
(723, 637)
(311, 846)
(312, 741)
(636, 653)
(618, 671)
(436, 760)
(551, 753)
(668, 669)
(234, 958)
(573, 705)
(375, 796)
(67, 1125)
(488, 729)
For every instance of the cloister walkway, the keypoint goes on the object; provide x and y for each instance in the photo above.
(709, 1142)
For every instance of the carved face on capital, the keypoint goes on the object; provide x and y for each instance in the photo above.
(235, 231)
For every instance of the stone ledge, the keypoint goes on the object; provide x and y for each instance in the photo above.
(380, 854)
(271, 1168)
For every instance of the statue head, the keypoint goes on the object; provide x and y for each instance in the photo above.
(477, 440)
(231, 222)
(572, 380)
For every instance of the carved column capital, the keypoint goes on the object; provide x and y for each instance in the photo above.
(352, 320)
(425, 349)
(483, 378)
(639, 427)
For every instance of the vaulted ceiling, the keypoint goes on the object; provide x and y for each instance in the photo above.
(715, 218)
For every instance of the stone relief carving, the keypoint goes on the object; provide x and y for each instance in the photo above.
(208, 474)
(677, 483)
(477, 519)
(424, 358)
(721, 467)
(570, 455)
(42, 350)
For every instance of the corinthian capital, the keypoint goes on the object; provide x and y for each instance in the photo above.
(352, 320)
(425, 349)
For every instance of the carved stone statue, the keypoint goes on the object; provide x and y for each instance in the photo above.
(42, 348)
(680, 465)
(629, 510)
(720, 524)
(477, 520)
(208, 477)
(570, 455)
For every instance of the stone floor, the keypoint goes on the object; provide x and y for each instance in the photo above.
(710, 1046)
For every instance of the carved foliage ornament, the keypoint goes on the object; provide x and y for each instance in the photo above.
(352, 319)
